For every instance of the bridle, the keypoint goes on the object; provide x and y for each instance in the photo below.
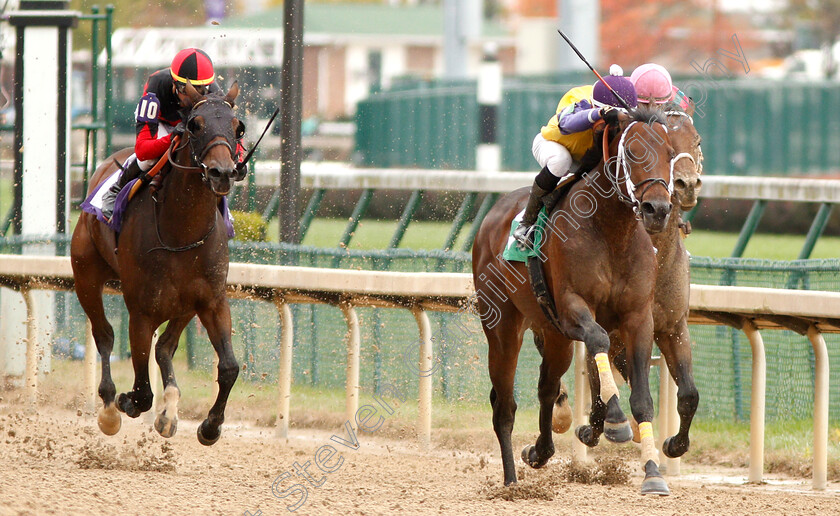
(204, 146)
(622, 167)
(682, 155)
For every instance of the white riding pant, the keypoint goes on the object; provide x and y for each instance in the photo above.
(552, 155)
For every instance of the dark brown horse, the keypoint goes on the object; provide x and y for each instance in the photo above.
(172, 263)
(671, 295)
(600, 269)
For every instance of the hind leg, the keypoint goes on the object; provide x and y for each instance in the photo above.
(166, 422)
(91, 272)
(676, 349)
(216, 320)
(139, 399)
(505, 341)
(557, 355)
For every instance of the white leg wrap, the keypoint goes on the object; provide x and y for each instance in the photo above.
(608, 387)
(648, 446)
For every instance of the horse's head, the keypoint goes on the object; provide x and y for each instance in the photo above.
(642, 162)
(213, 131)
(688, 163)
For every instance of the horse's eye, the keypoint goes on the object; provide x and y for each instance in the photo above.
(240, 130)
(194, 125)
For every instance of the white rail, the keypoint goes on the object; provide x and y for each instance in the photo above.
(340, 176)
(810, 313)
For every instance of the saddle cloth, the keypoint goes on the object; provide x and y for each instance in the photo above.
(512, 252)
(93, 203)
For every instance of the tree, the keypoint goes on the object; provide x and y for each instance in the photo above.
(129, 13)
(824, 18)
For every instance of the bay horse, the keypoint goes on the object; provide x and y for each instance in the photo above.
(671, 295)
(171, 259)
(600, 268)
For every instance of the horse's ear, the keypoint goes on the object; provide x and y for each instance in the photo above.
(192, 93)
(232, 93)
(691, 107)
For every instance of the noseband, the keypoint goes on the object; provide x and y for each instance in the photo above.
(684, 154)
(622, 166)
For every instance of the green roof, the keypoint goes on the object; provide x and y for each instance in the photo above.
(359, 19)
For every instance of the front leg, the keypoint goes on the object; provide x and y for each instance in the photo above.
(579, 324)
(637, 333)
(676, 348)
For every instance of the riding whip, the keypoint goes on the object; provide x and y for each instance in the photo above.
(617, 96)
(251, 152)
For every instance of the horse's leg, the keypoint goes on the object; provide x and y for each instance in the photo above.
(590, 434)
(637, 333)
(504, 340)
(90, 297)
(216, 319)
(676, 348)
(140, 398)
(166, 422)
(91, 272)
(579, 324)
(557, 355)
(561, 415)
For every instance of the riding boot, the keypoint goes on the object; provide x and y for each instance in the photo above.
(523, 233)
(132, 171)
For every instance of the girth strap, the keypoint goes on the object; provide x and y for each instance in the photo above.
(540, 288)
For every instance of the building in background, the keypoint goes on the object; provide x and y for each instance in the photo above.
(350, 50)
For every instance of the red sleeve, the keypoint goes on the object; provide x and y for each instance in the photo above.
(147, 146)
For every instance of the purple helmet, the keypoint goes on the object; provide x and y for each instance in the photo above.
(601, 96)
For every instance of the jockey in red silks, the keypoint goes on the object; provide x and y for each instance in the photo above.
(563, 141)
(160, 114)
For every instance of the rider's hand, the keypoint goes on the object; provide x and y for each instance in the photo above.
(179, 129)
(609, 114)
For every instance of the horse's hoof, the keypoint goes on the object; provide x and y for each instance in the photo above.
(109, 420)
(203, 439)
(165, 425)
(585, 435)
(618, 432)
(671, 449)
(561, 418)
(126, 404)
(616, 427)
(654, 484)
(529, 457)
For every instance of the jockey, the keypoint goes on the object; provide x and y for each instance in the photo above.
(568, 135)
(160, 112)
(654, 87)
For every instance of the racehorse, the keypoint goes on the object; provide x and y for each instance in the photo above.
(172, 262)
(671, 295)
(600, 269)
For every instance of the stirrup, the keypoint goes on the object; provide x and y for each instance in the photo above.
(525, 241)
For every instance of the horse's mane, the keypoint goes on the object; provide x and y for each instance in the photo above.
(647, 115)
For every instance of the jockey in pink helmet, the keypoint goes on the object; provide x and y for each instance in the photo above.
(653, 84)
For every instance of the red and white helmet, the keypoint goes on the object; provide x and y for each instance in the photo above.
(653, 84)
(193, 64)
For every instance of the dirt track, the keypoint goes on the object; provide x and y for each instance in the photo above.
(59, 463)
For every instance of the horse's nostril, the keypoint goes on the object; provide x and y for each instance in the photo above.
(648, 208)
(679, 183)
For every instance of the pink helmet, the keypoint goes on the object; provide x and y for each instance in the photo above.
(653, 84)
